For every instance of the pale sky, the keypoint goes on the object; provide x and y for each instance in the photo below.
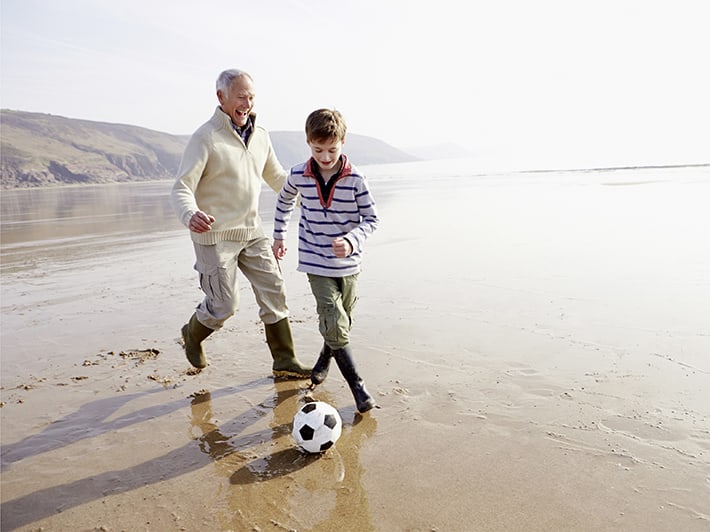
(569, 82)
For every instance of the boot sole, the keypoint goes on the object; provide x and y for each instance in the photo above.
(285, 374)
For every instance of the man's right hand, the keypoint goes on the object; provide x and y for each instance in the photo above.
(201, 222)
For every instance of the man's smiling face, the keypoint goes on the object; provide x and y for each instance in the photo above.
(238, 101)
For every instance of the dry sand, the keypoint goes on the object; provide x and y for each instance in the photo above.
(538, 345)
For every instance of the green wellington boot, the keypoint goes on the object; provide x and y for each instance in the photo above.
(363, 400)
(193, 333)
(320, 370)
(280, 342)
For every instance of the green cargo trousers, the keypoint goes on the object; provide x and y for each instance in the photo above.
(335, 301)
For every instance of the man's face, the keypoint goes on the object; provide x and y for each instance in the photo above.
(326, 152)
(238, 101)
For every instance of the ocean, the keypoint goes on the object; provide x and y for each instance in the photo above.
(36, 223)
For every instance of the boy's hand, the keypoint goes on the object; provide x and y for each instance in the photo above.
(279, 249)
(342, 247)
(201, 222)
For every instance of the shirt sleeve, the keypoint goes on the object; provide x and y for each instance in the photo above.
(285, 204)
(369, 220)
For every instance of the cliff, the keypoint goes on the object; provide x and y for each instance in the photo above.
(39, 149)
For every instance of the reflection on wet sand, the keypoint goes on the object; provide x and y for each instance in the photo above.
(286, 485)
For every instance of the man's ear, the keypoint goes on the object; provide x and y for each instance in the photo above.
(220, 96)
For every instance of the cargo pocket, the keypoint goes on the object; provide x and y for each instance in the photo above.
(332, 328)
(212, 281)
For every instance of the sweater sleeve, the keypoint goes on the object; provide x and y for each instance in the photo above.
(274, 174)
(285, 205)
(191, 168)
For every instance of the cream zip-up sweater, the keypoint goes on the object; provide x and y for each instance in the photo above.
(222, 176)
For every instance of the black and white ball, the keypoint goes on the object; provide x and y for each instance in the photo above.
(316, 427)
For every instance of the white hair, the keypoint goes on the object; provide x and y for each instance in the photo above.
(225, 79)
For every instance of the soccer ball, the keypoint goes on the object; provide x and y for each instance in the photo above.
(316, 427)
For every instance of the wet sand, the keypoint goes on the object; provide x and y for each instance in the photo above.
(538, 345)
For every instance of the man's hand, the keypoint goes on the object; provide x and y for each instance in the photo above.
(342, 247)
(201, 222)
(279, 249)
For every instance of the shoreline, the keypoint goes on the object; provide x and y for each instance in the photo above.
(486, 172)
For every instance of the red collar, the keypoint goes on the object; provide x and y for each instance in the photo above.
(345, 168)
(326, 191)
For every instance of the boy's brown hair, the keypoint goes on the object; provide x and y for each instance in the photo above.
(324, 125)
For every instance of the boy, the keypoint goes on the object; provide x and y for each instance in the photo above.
(337, 215)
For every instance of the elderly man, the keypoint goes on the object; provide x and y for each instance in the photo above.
(216, 196)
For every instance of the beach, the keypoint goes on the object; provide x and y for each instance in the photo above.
(537, 343)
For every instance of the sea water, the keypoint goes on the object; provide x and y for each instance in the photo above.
(35, 221)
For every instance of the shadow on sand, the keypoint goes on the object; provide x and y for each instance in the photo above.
(89, 421)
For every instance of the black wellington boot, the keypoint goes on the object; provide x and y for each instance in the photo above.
(344, 359)
(320, 370)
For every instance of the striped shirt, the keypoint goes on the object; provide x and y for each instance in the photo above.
(346, 209)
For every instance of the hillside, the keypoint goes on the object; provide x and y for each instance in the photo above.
(39, 149)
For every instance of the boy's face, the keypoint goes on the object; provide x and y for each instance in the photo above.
(326, 152)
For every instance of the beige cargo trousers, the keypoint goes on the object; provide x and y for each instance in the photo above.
(217, 265)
